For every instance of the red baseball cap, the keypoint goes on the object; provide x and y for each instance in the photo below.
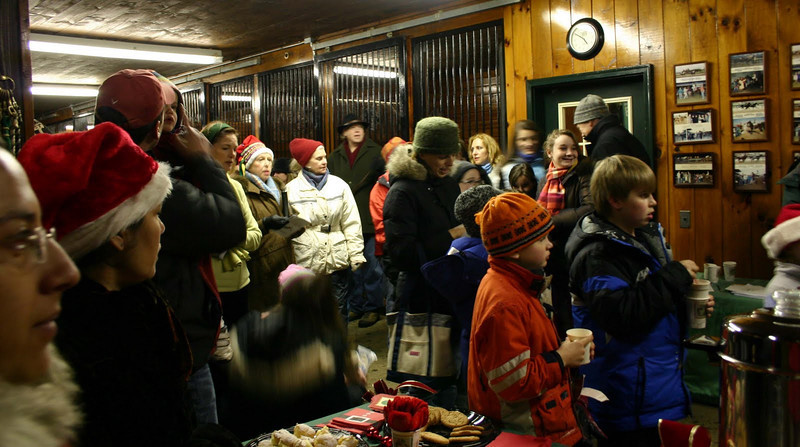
(136, 94)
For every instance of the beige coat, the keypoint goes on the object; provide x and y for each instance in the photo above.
(322, 249)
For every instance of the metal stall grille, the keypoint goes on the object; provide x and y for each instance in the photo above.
(289, 107)
(232, 102)
(460, 75)
(194, 102)
(368, 81)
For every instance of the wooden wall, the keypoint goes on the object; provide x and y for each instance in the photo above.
(725, 225)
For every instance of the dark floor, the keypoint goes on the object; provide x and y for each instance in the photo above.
(375, 338)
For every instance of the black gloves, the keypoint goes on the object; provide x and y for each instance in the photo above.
(273, 222)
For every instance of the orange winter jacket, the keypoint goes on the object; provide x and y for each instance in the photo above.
(515, 375)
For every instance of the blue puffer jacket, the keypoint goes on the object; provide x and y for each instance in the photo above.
(631, 295)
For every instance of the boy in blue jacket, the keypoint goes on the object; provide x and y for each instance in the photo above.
(630, 293)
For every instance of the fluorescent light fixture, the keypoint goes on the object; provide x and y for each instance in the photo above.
(367, 72)
(236, 98)
(122, 50)
(64, 90)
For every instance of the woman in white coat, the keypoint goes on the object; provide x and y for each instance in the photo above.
(332, 243)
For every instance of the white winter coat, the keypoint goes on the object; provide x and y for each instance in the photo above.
(326, 251)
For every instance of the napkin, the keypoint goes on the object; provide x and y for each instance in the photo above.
(406, 413)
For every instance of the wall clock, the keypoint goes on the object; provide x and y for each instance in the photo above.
(585, 38)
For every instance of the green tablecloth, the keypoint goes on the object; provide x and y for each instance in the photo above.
(702, 373)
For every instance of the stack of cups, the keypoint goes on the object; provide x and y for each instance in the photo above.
(711, 272)
(729, 269)
(696, 303)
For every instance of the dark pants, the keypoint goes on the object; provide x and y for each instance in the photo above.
(340, 283)
(644, 437)
(368, 285)
(204, 398)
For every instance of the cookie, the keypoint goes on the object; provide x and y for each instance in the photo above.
(473, 427)
(434, 415)
(434, 438)
(461, 431)
(464, 438)
(453, 419)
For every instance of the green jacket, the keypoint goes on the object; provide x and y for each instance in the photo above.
(368, 166)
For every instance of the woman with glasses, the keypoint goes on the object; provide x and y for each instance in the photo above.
(129, 352)
(469, 175)
(37, 394)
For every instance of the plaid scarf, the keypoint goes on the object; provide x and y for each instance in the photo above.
(552, 195)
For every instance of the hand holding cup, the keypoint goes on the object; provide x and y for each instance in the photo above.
(578, 349)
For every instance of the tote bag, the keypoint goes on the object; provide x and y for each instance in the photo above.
(420, 347)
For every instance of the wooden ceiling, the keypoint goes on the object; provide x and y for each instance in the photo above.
(236, 27)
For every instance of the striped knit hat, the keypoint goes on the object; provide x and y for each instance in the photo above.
(511, 222)
(249, 150)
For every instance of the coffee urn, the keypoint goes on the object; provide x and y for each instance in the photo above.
(760, 380)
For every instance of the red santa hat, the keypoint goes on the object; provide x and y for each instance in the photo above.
(92, 185)
(785, 232)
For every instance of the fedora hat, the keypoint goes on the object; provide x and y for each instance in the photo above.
(351, 119)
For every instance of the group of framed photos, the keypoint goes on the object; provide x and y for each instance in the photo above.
(750, 170)
(747, 77)
(748, 116)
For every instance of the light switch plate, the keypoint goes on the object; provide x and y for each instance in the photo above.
(686, 218)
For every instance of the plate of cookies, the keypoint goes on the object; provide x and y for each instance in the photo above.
(463, 429)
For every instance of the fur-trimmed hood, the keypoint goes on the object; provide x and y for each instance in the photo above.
(404, 164)
(42, 415)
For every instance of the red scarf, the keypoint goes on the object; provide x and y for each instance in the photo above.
(552, 195)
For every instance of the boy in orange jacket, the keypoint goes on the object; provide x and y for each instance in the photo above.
(518, 368)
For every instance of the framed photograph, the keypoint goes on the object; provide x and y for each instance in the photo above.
(691, 84)
(749, 120)
(750, 171)
(796, 121)
(693, 127)
(796, 66)
(748, 73)
(795, 156)
(694, 170)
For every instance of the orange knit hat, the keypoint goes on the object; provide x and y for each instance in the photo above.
(511, 222)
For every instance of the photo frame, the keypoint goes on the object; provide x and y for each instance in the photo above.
(749, 120)
(693, 127)
(693, 170)
(796, 121)
(795, 64)
(691, 84)
(748, 73)
(795, 156)
(750, 171)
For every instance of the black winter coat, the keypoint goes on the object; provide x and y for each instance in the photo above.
(608, 138)
(417, 215)
(131, 360)
(361, 177)
(201, 217)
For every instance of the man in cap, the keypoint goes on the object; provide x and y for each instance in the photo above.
(605, 133)
(202, 216)
(358, 161)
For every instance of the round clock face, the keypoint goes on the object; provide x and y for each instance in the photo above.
(585, 38)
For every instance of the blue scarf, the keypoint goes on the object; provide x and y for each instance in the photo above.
(317, 180)
(269, 186)
(487, 167)
(530, 158)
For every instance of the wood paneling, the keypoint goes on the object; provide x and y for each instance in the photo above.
(725, 224)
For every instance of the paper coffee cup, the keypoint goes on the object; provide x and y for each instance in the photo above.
(711, 272)
(700, 288)
(578, 333)
(729, 270)
(696, 308)
(406, 438)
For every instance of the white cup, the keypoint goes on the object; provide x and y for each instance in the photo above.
(711, 272)
(696, 302)
(406, 438)
(729, 270)
(579, 333)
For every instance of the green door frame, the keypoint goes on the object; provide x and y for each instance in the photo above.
(537, 88)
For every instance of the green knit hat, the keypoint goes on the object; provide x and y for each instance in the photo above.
(436, 135)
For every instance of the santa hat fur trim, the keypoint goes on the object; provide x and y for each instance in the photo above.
(93, 234)
(786, 231)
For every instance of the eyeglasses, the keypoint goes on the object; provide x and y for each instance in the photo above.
(27, 250)
(472, 182)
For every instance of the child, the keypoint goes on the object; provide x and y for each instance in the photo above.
(632, 297)
(518, 370)
(522, 180)
(783, 245)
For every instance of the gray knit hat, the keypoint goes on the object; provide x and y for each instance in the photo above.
(436, 135)
(470, 202)
(589, 108)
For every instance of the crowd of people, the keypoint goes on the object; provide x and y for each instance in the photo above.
(202, 288)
